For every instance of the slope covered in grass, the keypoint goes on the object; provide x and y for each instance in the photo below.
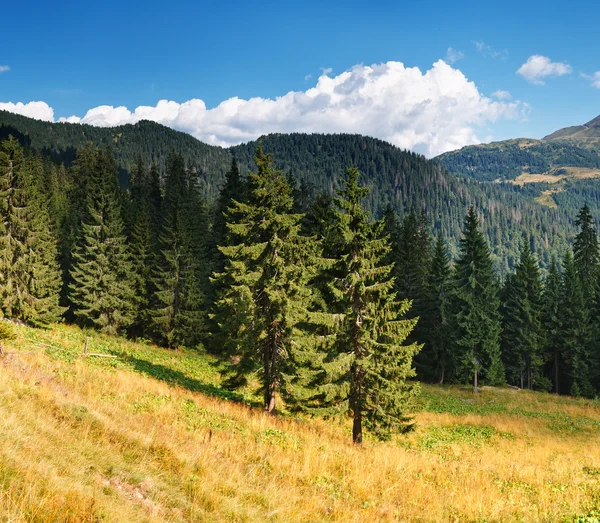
(150, 436)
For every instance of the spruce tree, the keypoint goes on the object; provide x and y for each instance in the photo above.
(575, 332)
(434, 362)
(178, 299)
(586, 252)
(145, 202)
(475, 307)
(552, 324)
(368, 372)
(265, 300)
(101, 290)
(524, 353)
(30, 278)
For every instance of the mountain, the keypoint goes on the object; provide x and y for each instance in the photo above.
(572, 153)
(400, 178)
(587, 132)
(151, 140)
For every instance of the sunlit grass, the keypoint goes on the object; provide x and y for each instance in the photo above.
(151, 436)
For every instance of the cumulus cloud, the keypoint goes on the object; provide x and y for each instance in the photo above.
(452, 55)
(502, 95)
(37, 110)
(538, 67)
(4, 68)
(429, 112)
(593, 78)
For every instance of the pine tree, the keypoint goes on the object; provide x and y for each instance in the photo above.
(413, 256)
(177, 313)
(368, 372)
(145, 205)
(586, 253)
(101, 288)
(575, 332)
(522, 327)
(475, 307)
(30, 279)
(234, 190)
(551, 322)
(265, 299)
(434, 357)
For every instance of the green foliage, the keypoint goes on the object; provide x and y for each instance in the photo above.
(178, 307)
(523, 339)
(475, 309)
(265, 301)
(7, 332)
(101, 291)
(29, 274)
(369, 368)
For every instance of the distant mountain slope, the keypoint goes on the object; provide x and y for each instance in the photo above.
(149, 139)
(587, 132)
(577, 146)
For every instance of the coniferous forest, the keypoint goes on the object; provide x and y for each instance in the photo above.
(330, 310)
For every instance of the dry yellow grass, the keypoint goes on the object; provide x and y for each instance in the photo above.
(104, 440)
(558, 174)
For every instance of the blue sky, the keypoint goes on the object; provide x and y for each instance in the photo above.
(75, 56)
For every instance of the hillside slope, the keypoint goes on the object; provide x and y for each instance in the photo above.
(149, 139)
(397, 177)
(577, 146)
(148, 436)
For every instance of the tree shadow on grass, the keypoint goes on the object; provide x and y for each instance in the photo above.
(175, 377)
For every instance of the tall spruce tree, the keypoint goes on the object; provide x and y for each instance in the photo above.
(265, 298)
(178, 305)
(575, 332)
(30, 279)
(145, 202)
(475, 307)
(101, 290)
(552, 324)
(523, 339)
(586, 253)
(369, 372)
(434, 362)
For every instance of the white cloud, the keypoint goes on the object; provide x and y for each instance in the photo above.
(502, 95)
(307, 77)
(37, 110)
(538, 67)
(4, 68)
(452, 55)
(593, 78)
(488, 51)
(430, 112)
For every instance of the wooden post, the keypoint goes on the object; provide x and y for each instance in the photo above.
(85, 346)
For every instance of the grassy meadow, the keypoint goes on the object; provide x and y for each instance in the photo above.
(151, 436)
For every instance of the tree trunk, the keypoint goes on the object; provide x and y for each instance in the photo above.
(441, 382)
(357, 427)
(556, 371)
(475, 389)
(357, 408)
(521, 384)
(272, 394)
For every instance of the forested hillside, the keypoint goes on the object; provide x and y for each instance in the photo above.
(576, 147)
(400, 178)
(152, 141)
(275, 276)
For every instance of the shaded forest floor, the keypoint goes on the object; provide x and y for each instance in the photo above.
(151, 436)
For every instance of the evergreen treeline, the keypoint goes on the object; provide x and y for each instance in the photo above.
(306, 295)
(317, 163)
